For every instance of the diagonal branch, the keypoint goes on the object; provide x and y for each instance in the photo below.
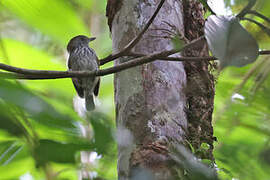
(263, 27)
(132, 43)
(205, 58)
(150, 21)
(246, 9)
(259, 15)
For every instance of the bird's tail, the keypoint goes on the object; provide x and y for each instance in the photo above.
(89, 101)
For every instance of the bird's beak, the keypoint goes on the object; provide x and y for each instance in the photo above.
(92, 39)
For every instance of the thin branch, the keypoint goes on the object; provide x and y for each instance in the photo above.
(132, 43)
(43, 72)
(246, 9)
(264, 52)
(259, 129)
(261, 77)
(259, 15)
(21, 73)
(146, 59)
(61, 74)
(150, 21)
(205, 58)
(264, 28)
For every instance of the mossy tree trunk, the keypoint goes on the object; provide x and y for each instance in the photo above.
(159, 103)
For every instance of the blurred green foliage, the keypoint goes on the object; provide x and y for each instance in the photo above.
(41, 134)
(242, 110)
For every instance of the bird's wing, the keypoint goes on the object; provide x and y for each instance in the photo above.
(69, 63)
(78, 86)
(96, 89)
(77, 82)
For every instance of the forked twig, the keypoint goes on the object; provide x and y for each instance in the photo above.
(133, 42)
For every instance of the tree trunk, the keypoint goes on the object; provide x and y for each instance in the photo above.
(153, 102)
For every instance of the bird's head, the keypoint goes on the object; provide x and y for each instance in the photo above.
(79, 41)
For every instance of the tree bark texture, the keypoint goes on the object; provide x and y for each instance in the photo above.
(200, 89)
(153, 102)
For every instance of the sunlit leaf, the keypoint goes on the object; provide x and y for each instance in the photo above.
(29, 57)
(15, 159)
(103, 132)
(8, 151)
(17, 168)
(242, 119)
(54, 151)
(53, 17)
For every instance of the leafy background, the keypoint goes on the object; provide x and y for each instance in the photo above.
(40, 133)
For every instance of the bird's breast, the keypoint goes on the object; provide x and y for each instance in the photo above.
(83, 59)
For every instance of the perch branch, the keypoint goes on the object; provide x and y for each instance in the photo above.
(21, 73)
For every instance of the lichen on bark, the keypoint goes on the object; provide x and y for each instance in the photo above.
(159, 103)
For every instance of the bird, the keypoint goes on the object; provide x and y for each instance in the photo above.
(84, 58)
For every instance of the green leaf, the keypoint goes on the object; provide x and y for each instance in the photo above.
(103, 132)
(178, 43)
(30, 57)
(53, 17)
(49, 150)
(230, 42)
(37, 108)
(242, 119)
(17, 168)
(9, 124)
(15, 159)
(8, 151)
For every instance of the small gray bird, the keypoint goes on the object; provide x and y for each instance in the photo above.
(84, 58)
